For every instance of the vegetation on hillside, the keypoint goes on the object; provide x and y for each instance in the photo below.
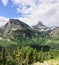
(25, 56)
(25, 51)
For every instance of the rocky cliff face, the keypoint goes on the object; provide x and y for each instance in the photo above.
(13, 25)
(39, 26)
(17, 27)
(55, 32)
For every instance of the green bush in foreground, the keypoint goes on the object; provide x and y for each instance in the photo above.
(25, 56)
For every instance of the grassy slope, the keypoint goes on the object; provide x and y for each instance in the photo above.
(6, 43)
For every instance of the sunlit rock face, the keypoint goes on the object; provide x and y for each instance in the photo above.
(13, 25)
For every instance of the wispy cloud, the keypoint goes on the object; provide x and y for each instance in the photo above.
(24, 9)
(33, 11)
(4, 2)
(3, 20)
(23, 6)
(46, 11)
(48, 1)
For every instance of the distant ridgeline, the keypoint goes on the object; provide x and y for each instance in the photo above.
(18, 28)
(35, 36)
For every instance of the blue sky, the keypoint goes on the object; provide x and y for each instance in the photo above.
(30, 11)
(9, 11)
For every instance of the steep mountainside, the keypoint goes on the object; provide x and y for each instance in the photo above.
(17, 27)
(13, 25)
(40, 27)
(55, 32)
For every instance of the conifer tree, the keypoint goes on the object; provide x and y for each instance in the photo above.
(14, 54)
(50, 54)
(19, 56)
(34, 55)
(3, 56)
(0, 60)
(41, 55)
(27, 55)
(27, 58)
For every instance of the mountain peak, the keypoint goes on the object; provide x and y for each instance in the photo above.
(40, 23)
(18, 22)
(40, 26)
(13, 25)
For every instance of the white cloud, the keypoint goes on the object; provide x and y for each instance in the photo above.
(48, 1)
(24, 10)
(3, 20)
(23, 2)
(4, 2)
(46, 11)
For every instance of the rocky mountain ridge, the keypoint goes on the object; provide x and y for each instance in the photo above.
(13, 25)
(40, 26)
